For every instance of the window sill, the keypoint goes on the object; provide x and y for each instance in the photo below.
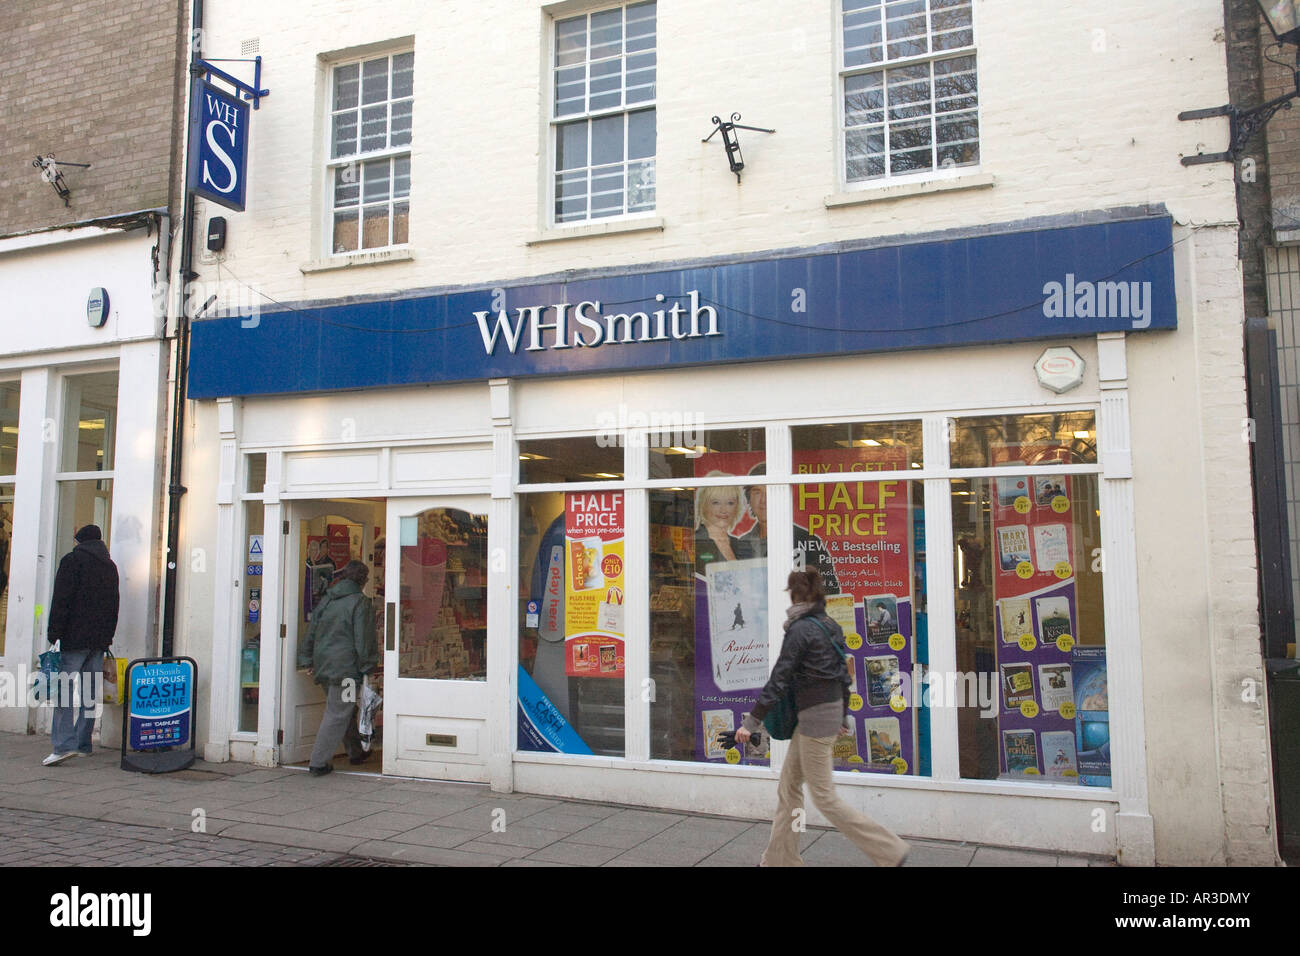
(904, 190)
(351, 259)
(561, 233)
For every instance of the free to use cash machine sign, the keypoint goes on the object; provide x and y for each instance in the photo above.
(161, 705)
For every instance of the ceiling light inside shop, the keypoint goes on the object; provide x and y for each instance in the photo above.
(916, 464)
(9, 429)
(529, 456)
(89, 425)
(695, 450)
(1083, 434)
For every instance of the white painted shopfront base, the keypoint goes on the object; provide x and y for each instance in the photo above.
(1074, 820)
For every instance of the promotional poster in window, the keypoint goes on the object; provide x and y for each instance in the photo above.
(858, 535)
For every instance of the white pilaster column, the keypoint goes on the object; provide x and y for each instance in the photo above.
(227, 575)
(503, 593)
(1135, 832)
(941, 605)
(273, 665)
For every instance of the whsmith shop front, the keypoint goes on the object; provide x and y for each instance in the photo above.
(580, 497)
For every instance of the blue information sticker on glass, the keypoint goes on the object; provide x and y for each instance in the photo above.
(161, 705)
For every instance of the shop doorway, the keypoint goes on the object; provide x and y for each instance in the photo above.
(435, 651)
(322, 536)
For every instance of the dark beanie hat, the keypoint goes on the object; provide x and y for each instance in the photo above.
(90, 532)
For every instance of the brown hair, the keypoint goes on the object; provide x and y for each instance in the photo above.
(805, 587)
(355, 571)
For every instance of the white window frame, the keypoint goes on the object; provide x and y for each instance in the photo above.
(360, 158)
(625, 109)
(883, 66)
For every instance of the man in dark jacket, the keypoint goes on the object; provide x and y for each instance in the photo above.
(339, 650)
(83, 618)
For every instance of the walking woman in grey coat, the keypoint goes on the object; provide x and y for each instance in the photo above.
(812, 659)
(339, 650)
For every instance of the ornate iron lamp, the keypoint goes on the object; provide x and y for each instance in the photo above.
(1283, 17)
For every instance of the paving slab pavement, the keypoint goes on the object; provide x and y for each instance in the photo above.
(88, 812)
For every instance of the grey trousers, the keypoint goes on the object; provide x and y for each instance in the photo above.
(339, 725)
(809, 760)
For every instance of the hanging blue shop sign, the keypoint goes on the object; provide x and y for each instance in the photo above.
(218, 153)
(1070, 281)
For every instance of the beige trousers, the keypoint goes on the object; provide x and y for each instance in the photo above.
(809, 760)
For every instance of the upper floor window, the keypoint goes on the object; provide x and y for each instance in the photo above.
(369, 170)
(911, 98)
(603, 121)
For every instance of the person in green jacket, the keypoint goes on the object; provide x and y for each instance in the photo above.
(339, 650)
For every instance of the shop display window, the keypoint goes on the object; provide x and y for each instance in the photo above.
(9, 397)
(1030, 628)
(903, 437)
(676, 450)
(6, 540)
(89, 429)
(1058, 438)
(572, 622)
(250, 628)
(708, 615)
(553, 460)
(867, 539)
(444, 572)
(83, 502)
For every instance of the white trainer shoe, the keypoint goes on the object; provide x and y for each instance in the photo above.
(52, 759)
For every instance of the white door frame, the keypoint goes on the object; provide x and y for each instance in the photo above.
(433, 728)
(302, 701)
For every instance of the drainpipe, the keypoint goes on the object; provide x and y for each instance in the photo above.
(174, 487)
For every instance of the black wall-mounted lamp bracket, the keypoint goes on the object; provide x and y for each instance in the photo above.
(728, 130)
(51, 173)
(1243, 123)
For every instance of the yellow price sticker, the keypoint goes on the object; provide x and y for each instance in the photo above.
(1069, 773)
(1027, 642)
(1064, 643)
(1067, 710)
(1028, 709)
(897, 642)
(897, 704)
(733, 755)
(900, 765)
(1063, 569)
(1024, 570)
(855, 702)
(1031, 771)
(856, 758)
(853, 639)
(1021, 505)
(1060, 504)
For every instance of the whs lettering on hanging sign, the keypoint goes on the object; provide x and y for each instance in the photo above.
(218, 147)
(583, 326)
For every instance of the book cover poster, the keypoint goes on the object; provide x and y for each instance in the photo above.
(1009, 489)
(1017, 684)
(1013, 546)
(1015, 621)
(717, 722)
(882, 617)
(1055, 686)
(1053, 617)
(883, 743)
(1051, 546)
(1058, 755)
(1091, 715)
(737, 593)
(883, 680)
(1021, 752)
